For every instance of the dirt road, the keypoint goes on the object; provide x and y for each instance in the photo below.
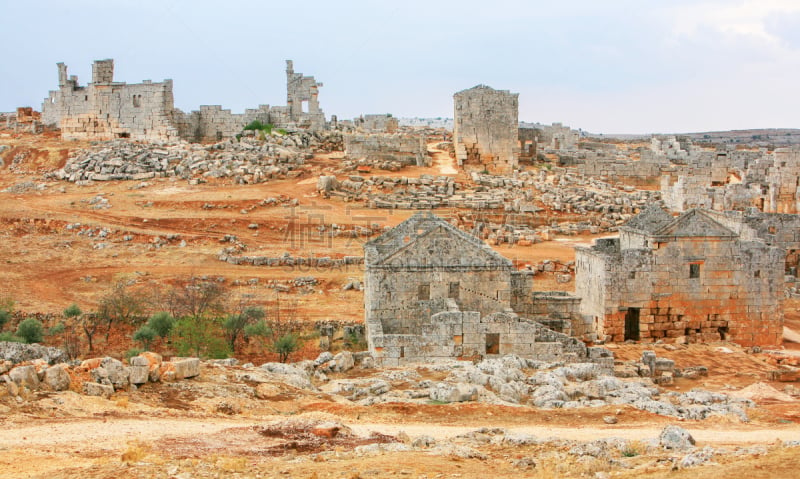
(113, 433)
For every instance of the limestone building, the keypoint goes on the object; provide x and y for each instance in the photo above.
(106, 110)
(433, 291)
(703, 276)
(485, 129)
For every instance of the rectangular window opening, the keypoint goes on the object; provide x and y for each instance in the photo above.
(694, 270)
(424, 292)
(453, 290)
(493, 343)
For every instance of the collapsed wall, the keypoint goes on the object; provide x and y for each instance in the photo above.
(404, 149)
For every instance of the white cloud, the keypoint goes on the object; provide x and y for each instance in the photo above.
(739, 18)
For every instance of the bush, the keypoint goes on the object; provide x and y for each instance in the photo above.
(162, 323)
(72, 311)
(256, 125)
(259, 329)
(5, 316)
(10, 338)
(133, 352)
(285, 345)
(57, 329)
(145, 335)
(200, 337)
(30, 330)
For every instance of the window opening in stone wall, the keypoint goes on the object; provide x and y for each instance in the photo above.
(424, 292)
(453, 290)
(757, 273)
(493, 343)
(632, 324)
(694, 270)
(402, 351)
(137, 101)
(304, 106)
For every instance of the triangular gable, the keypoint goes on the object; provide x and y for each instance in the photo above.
(695, 223)
(444, 245)
(650, 219)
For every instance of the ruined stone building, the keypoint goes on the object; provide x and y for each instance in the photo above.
(701, 276)
(485, 129)
(381, 123)
(736, 180)
(433, 291)
(408, 150)
(106, 110)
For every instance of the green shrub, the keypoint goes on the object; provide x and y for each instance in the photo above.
(72, 311)
(132, 353)
(145, 335)
(260, 329)
(200, 337)
(57, 329)
(285, 345)
(162, 323)
(10, 338)
(5, 316)
(30, 330)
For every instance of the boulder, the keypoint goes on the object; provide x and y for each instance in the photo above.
(675, 437)
(138, 374)
(56, 378)
(448, 393)
(186, 368)
(25, 376)
(118, 375)
(344, 361)
(96, 389)
(323, 358)
(19, 352)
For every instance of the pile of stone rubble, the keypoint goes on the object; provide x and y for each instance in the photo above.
(247, 161)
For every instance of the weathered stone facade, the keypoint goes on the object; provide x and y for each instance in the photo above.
(380, 123)
(485, 128)
(106, 110)
(403, 149)
(433, 291)
(701, 277)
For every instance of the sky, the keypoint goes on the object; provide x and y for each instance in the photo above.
(613, 66)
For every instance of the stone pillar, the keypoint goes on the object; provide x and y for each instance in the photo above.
(62, 75)
(103, 71)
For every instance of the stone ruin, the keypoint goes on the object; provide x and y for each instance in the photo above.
(387, 151)
(700, 277)
(107, 110)
(380, 123)
(485, 129)
(433, 291)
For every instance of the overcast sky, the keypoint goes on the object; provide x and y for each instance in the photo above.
(614, 66)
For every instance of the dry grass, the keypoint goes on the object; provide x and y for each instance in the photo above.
(135, 452)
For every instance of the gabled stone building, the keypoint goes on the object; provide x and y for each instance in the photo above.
(433, 291)
(701, 276)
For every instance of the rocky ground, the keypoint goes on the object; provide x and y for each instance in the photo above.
(252, 216)
(338, 416)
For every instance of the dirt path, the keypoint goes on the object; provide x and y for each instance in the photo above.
(114, 433)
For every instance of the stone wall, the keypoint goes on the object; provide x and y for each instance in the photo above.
(486, 126)
(381, 123)
(404, 149)
(106, 110)
(699, 287)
